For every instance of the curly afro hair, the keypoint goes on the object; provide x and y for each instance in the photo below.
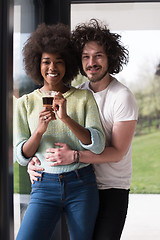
(94, 31)
(55, 39)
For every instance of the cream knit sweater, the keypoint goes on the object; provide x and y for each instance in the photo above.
(81, 107)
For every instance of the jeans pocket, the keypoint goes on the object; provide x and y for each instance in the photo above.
(36, 185)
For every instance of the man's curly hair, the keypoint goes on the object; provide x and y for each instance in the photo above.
(94, 31)
(54, 39)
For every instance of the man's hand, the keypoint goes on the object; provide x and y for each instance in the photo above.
(32, 169)
(59, 156)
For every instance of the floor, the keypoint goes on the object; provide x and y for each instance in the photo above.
(143, 218)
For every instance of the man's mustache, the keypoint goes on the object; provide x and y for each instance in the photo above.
(94, 67)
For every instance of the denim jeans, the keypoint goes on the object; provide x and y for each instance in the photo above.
(75, 193)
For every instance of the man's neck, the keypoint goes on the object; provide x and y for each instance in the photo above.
(101, 85)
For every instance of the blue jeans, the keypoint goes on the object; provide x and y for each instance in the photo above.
(75, 193)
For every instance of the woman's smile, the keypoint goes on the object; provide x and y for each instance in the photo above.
(53, 70)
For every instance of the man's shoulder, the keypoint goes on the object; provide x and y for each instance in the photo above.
(117, 84)
(117, 88)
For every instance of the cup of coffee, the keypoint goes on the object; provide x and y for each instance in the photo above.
(47, 98)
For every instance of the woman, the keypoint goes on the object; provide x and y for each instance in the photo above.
(50, 61)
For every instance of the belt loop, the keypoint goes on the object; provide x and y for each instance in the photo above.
(77, 173)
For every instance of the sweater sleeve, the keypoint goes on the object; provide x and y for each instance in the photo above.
(21, 129)
(97, 145)
(21, 159)
(93, 124)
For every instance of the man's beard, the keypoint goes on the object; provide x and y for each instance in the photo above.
(98, 78)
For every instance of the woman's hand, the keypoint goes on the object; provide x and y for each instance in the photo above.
(59, 106)
(45, 116)
(31, 145)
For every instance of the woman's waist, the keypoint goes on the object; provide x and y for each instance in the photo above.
(84, 170)
(59, 168)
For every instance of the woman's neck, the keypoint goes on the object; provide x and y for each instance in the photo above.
(61, 89)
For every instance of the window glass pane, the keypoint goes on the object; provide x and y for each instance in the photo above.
(24, 24)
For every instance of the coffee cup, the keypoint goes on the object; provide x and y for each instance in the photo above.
(47, 98)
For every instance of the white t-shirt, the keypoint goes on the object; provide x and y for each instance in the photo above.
(116, 103)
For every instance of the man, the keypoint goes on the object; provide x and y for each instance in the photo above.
(101, 55)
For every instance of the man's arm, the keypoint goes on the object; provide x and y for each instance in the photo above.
(122, 135)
